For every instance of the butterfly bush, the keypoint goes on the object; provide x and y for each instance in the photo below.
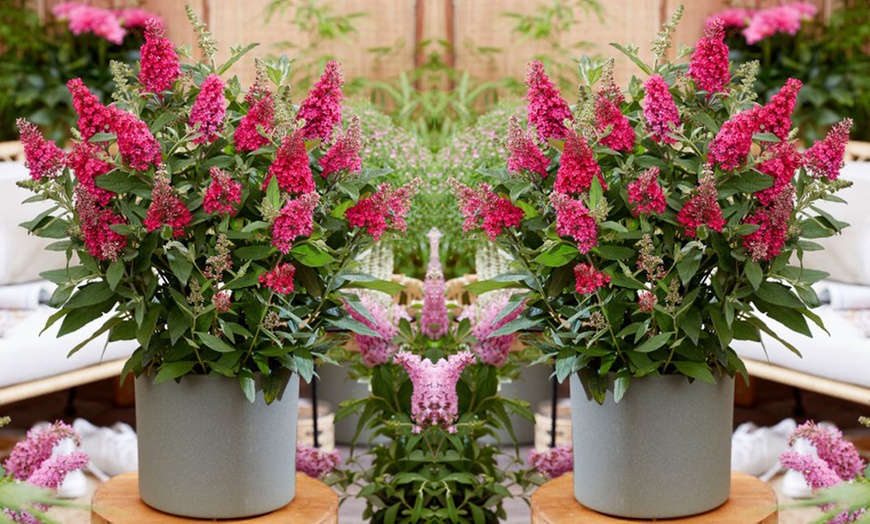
(678, 215)
(315, 462)
(31, 461)
(836, 461)
(216, 227)
(554, 462)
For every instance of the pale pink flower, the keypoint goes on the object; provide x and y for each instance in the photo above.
(315, 462)
(434, 402)
(492, 351)
(733, 17)
(343, 155)
(554, 462)
(131, 17)
(375, 351)
(83, 18)
(786, 18)
(434, 321)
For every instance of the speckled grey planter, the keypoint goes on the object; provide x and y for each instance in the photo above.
(206, 452)
(663, 451)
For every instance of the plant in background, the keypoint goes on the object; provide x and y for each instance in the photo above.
(78, 41)
(650, 228)
(829, 55)
(31, 473)
(547, 24)
(835, 471)
(433, 399)
(216, 229)
(321, 24)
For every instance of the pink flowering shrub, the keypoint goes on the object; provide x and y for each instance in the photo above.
(554, 462)
(196, 217)
(315, 462)
(675, 214)
(31, 462)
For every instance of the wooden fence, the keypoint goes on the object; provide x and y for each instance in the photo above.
(462, 24)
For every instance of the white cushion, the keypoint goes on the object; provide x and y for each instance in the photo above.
(843, 356)
(22, 256)
(847, 256)
(25, 355)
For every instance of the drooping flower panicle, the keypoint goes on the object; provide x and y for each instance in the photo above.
(825, 158)
(166, 208)
(43, 158)
(660, 110)
(344, 155)
(158, 68)
(375, 351)
(710, 66)
(492, 351)
(525, 155)
(702, 209)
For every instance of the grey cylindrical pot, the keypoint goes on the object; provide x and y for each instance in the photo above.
(206, 452)
(663, 451)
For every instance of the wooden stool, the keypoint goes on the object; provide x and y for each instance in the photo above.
(751, 502)
(117, 502)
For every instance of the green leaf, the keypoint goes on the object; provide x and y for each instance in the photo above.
(477, 288)
(653, 343)
(754, 273)
(73, 274)
(248, 384)
(634, 58)
(254, 252)
(311, 255)
(778, 294)
(172, 370)
(215, 343)
(115, 273)
(790, 318)
(558, 255)
(621, 383)
(89, 295)
(235, 58)
(688, 266)
(121, 182)
(180, 265)
(614, 252)
(350, 324)
(390, 288)
(518, 324)
(697, 370)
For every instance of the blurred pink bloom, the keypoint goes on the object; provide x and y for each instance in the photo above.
(434, 401)
(315, 462)
(733, 17)
(784, 18)
(434, 321)
(553, 462)
(131, 17)
(492, 351)
(83, 18)
(375, 351)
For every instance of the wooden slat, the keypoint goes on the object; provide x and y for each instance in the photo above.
(60, 382)
(833, 388)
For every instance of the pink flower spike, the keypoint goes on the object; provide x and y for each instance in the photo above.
(554, 462)
(208, 111)
(781, 164)
(485, 210)
(386, 209)
(646, 301)
(94, 117)
(86, 165)
(261, 113)
(492, 351)
(577, 167)
(660, 110)
(434, 402)
(767, 241)
(322, 109)
(375, 351)
(525, 155)
(825, 157)
(42, 157)
(710, 66)
(786, 18)
(344, 153)
(280, 279)
(775, 117)
(607, 114)
(222, 194)
(647, 194)
(166, 209)
(296, 220)
(136, 144)
(291, 167)
(99, 238)
(434, 321)
(29, 454)
(158, 67)
(702, 209)
(840, 454)
(588, 279)
(732, 144)
(573, 220)
(547, 110)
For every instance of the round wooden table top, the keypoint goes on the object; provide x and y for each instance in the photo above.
(117, 502)
(751, 502)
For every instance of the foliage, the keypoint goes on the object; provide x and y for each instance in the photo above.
(321, 25)
(38, 58)
(829, 56)
(210, 291)
(627, 292)
(547, 24)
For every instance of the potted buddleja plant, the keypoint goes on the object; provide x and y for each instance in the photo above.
(218, 229)
(434, 413)
(649, 229)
